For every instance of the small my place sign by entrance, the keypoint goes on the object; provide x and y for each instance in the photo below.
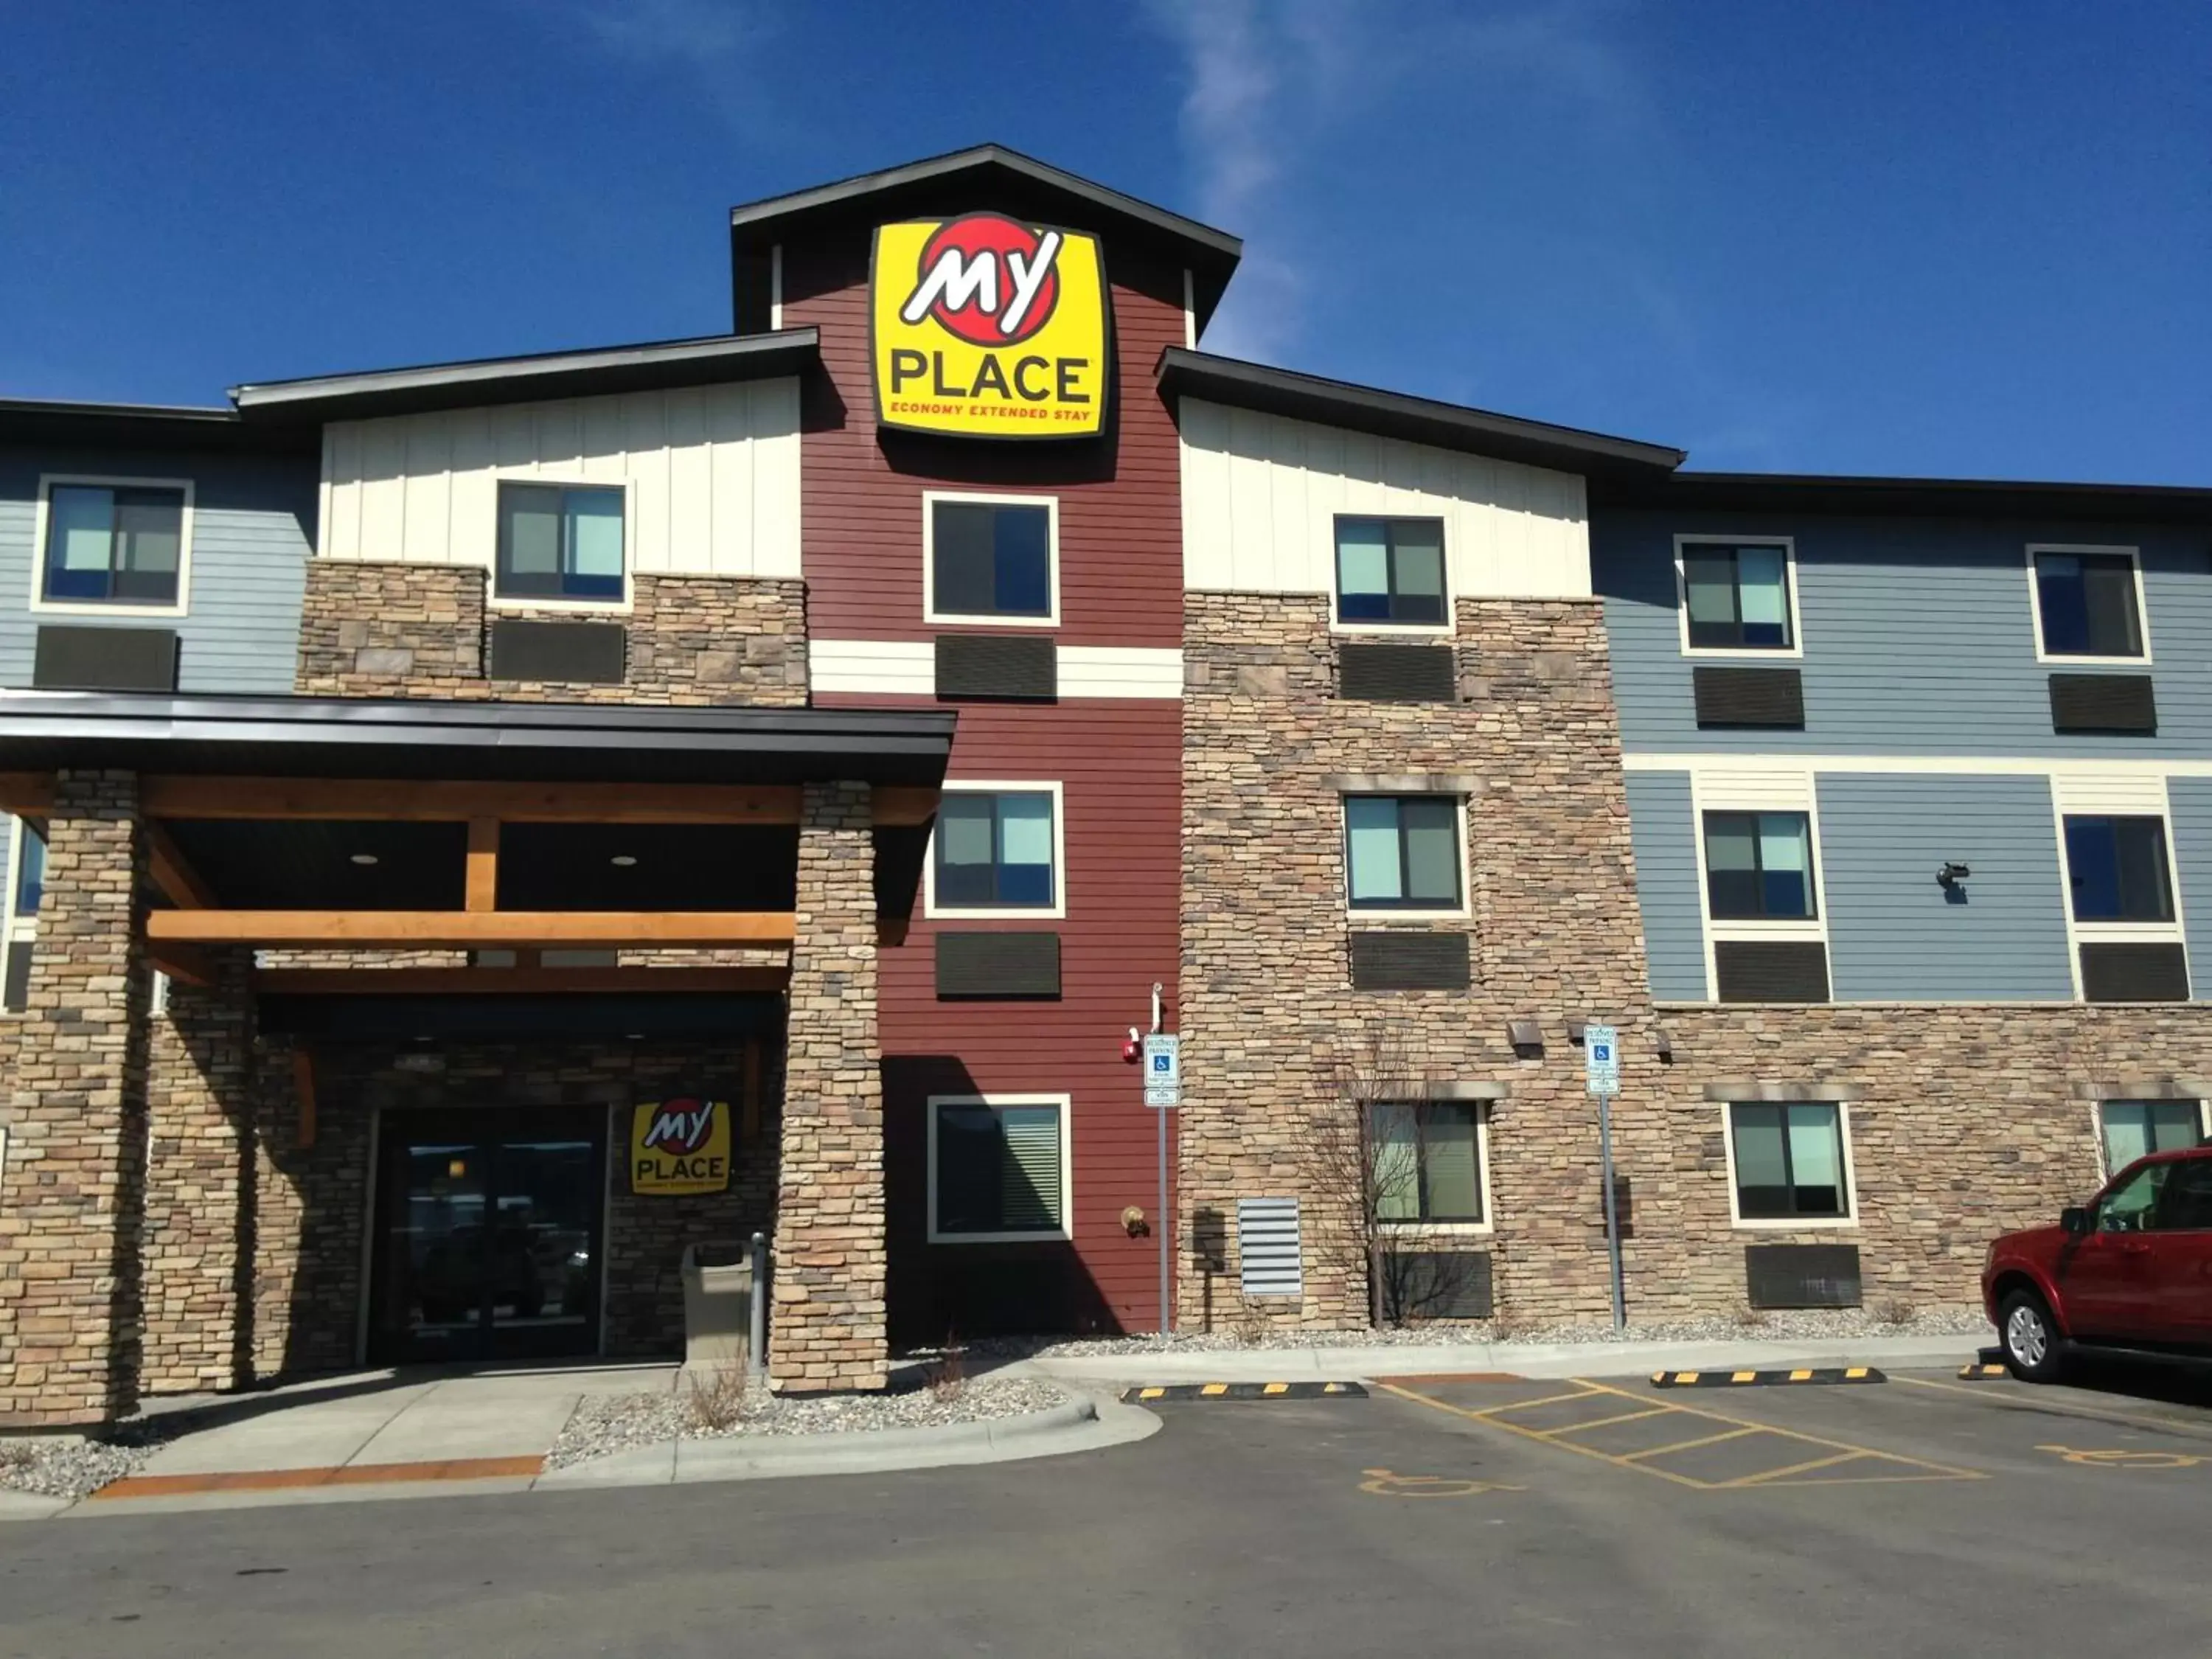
(679, 1147)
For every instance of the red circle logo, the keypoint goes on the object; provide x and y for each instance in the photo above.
(984, 270)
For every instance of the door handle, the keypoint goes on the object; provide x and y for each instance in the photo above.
(2134, 1247)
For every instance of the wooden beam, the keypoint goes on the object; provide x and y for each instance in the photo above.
(182, 962)
(27, 794)
(461, 929)
(511, 981)
(483, 889)
(303, 1089)
(173, 873)
(449, 802)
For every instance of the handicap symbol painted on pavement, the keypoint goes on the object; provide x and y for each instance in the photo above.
(1385, 1483)
(2130, 1459)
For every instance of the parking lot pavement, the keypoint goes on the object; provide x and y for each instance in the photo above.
(1920, 1517)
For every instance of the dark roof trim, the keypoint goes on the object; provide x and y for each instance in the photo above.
(339, 737)
(1783, 492)
(137, 426)
(654, 365)
(1211, 255)
(1183, 373)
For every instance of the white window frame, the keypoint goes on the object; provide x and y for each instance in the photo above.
(2035, 605)
(2089, 793)
(2105, 1171)
(1794, 650)
(625, 487)
(16, 933)
(1444, 629)
(1413, 1231)
(1057, 911)
(40, 602)
(1781, 790)
(1388, 913)
(1065, 1232)
(1791, 1224)
(930, 613)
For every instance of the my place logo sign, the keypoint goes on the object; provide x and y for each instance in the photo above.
(680, 1146)
(987, 326)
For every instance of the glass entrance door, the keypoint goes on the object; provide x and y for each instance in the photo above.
(488, 1234)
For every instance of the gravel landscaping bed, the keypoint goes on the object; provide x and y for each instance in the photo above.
(1792, 1326)
(617, 1422)
(65, 1466)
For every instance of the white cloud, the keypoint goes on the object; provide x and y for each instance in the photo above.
(657, 31)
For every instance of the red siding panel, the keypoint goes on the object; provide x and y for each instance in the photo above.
(1118, 760)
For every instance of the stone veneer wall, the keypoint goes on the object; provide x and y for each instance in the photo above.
(829, 1329)
(198, 1250)
(71, 1191)
(1268, 1012)
(372, 629)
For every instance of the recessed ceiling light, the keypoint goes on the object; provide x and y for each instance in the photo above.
(364, 857)
(621, 861)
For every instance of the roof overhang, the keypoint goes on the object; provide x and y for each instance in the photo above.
(145, 426)
(1979, 498)
(349, 738)
(992, 175)
(1183, 373)
(654, 366)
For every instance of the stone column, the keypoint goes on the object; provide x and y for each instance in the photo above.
(827, 1320)
(199, 1183)
(72, 1194)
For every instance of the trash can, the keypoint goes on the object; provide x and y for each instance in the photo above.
(718, 1305)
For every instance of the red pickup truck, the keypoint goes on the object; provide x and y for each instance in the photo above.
(2132, 1269)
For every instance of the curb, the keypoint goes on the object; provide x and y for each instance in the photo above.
(1828, 1376)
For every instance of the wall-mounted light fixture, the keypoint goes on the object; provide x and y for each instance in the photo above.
(1526, 1036)
(1664, 1045)
(1575, 1030)
(1952, 873)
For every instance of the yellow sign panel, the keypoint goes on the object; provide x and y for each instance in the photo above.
(985, 326)
(680, 1146)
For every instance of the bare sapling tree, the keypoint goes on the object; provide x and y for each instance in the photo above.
(1363, 1169)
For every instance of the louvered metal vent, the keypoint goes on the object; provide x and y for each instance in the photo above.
(1268, 1247)
(69, 659)
(1802, 1275)
(2118, 703)
(1018, 666)
(579, 652)
(1771, 970)
(1396, 673)
(1023, 964)
(1402, 960)
(1437, 1283)
(2135, 973)
(1767, 697)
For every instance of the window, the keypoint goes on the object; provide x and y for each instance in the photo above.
(992, 559)
(114, 544)
(26, 890)
(1402, 851)
(998, 1169)
(2185, 1206)
(1390, 570)
(1426, 1162)
(2127, 1208)
(2085, 604)
(560, 542)
(995, 850)
(1789, 1161)
(1759, 865)
(2116, 869)
(1737, 597)
(2129, 1129)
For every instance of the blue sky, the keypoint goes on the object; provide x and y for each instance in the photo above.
(1972, 238)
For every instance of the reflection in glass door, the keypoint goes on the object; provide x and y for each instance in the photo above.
(488, 1234)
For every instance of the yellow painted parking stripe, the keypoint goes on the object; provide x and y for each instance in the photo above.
(2001, 1403)
(1765, 1475)
(1688, 1445)
(1541, 1437)
(1608, 1422)
(1548, 1399)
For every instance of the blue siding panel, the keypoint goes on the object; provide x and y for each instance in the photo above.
(1895, 935)
(1918, 636)
(253, 529)
(2190, 800)
(1667, 885)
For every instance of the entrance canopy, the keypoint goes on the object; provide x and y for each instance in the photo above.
(542, 839)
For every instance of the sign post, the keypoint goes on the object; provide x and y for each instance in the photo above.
(1601, 1061)
(1163, 1093)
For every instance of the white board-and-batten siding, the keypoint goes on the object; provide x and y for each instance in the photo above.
(1262, 493)
(711, 472)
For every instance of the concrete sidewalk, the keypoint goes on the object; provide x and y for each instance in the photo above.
(1366, 1363)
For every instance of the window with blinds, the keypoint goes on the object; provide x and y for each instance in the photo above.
(998, 1169)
